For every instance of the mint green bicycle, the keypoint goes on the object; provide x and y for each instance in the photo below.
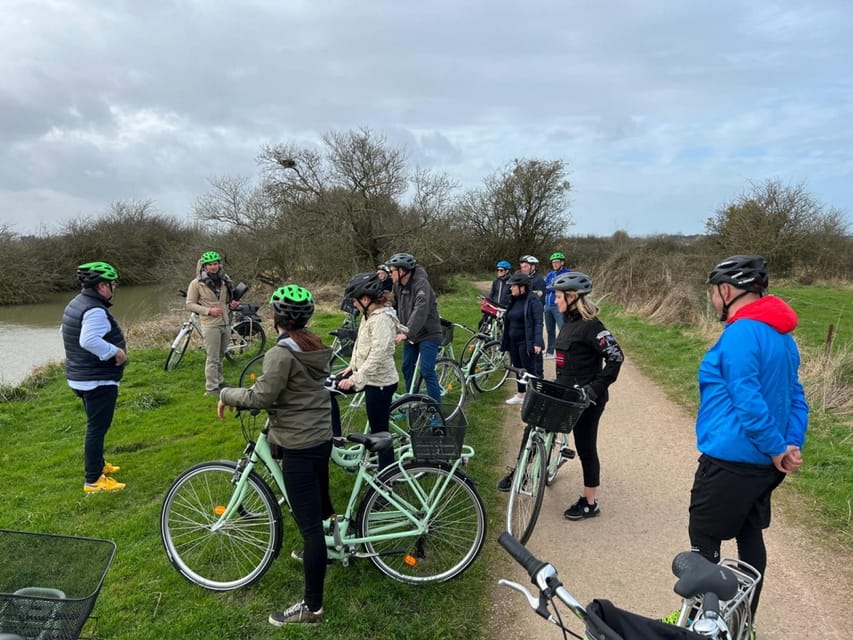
(420, 520)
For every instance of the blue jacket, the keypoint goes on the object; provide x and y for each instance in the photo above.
(752, 404)
(550, 294)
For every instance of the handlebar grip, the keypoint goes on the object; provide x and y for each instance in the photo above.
(521, 555)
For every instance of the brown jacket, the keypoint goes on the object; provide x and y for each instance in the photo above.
(201, 298)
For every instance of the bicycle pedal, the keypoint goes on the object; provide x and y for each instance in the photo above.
(567, 453)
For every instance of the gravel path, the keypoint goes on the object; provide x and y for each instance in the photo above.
(648, 455)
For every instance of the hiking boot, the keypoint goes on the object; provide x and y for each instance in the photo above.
(505, 483)
(103, 484)
(110, 469)
(581, 510)
(298, 614)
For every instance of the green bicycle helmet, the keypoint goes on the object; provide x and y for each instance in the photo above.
(91, 273)
(557, 255)
(294, 303)
(210, 256)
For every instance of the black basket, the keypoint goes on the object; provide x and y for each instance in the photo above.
(437, 431)
(446, 332)
(551, 406)
(49, 583)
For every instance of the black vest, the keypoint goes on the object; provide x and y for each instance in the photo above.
(80, 364)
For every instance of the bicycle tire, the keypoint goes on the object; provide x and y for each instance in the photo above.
(252, 371)
(469, 349)
(487, 368)
(398, 421)
(240, 552)
(179, 348)
(455, 533)
(555, 458)
(451, 380)
(247, 339)
(527, 491)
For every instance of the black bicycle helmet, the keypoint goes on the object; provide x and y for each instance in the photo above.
(402, 261)
(575, 281)
(91, 273)
(364, 284)
(744, 272)
(294, 303)
(520, 278)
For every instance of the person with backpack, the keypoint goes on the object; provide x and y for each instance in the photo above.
(291, 389)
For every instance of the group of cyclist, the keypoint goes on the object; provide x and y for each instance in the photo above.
(751, 423)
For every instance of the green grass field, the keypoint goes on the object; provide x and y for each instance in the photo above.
(164, 424)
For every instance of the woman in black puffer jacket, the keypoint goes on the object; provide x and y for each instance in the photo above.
(588, 356)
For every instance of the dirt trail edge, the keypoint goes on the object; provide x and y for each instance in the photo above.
(648, 457)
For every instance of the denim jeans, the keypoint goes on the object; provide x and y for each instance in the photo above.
(306, 478)
(100, 405)
(553, 323)
(428, 351)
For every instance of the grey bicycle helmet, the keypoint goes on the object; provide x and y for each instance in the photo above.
(402, 261)
(364, 284)
(744, 272)
(294, 303)
(575, 281)
(91, 273)
(520, 278)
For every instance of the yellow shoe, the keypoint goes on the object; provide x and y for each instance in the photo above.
(110, 469)
(103, 484)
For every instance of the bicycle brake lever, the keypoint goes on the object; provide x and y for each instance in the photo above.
(533, 602)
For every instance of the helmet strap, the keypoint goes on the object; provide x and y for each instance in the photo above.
(724, 313)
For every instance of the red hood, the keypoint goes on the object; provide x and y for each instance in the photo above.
(769, 310)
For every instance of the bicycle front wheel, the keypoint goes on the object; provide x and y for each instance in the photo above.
(252, 371)
(435, 495)
(247, 340)
(558, 454)
(179, 348)
(451, 382)
(239, 552)
(487, 368)
(469, 349)
(527, 491)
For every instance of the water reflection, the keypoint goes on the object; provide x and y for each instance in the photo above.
(29, 334)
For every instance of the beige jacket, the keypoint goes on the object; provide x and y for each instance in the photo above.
(373, 354)
(201, 299)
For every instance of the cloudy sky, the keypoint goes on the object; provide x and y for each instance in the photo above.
(663, 110)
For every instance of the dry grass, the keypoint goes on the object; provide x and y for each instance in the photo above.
(827, 378)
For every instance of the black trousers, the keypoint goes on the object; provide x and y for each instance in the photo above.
(100, 406)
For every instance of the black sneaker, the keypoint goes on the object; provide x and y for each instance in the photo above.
(298, 613)
(581, 510)
(505, 483)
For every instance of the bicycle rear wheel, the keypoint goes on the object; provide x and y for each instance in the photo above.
(454, 533)
(239, 552)
(470, 348)
(451, 381)
(247, 340)
(487, 368)
(252, 371)
(179, 348)
(527, 491)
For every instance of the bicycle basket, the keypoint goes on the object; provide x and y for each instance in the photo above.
(446, 332)
(437, 432)
(490, 307)
(551, 406)
(49, 583)
(346, 336)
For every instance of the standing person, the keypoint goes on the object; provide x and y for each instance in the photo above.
(587, 355)
(522, 334)
(372, 367)
(95, 357)
(528, 265)
(291, 390)
(384, 273)
(553, 316)
(211, 296)
(416, 308)
(752, 415)
(500, 289)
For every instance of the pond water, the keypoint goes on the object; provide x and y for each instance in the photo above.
(29, 334)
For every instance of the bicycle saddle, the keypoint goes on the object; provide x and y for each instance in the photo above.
(374, 442)
(697, 575)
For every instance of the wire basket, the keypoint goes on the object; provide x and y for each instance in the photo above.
(437, 431)
(49, 583)
(446, 332)
(551, 406)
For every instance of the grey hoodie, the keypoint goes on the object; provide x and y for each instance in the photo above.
(291, 390)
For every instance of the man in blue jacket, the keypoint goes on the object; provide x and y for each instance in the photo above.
(752, 414)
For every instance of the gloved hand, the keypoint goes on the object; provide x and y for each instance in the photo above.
(590, 393)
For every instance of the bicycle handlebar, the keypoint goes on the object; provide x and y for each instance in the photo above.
(521, 555)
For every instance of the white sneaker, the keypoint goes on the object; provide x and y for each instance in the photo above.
(515, 400)
(549, 356)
